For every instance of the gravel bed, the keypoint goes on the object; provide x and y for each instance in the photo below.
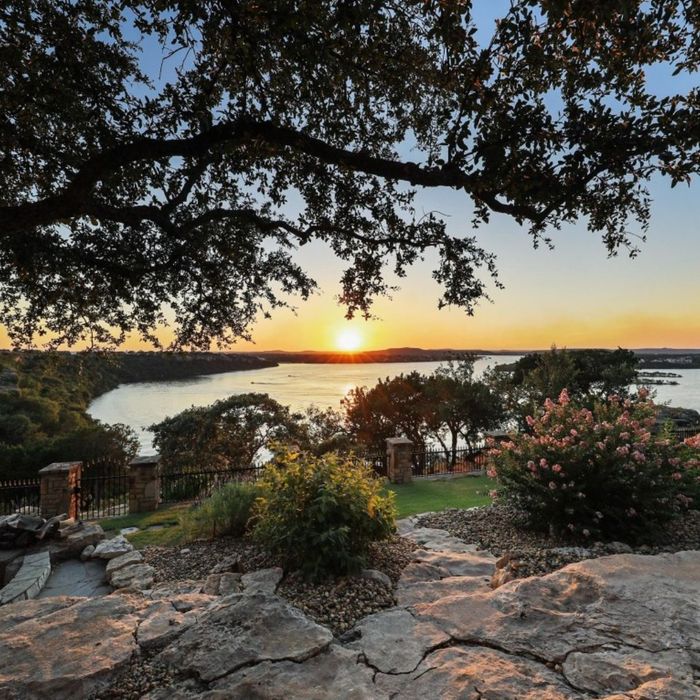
(336, 603)
(501, 530)
(196, 559)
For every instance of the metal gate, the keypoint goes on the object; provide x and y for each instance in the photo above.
(104, 489)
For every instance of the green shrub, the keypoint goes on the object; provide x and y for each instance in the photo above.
(598, 473)
(321, 513)
(226, 512)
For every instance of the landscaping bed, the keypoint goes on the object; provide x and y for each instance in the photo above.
(336, 603)
(501, 530)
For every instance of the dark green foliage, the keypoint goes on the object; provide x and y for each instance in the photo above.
(137, 188)
(43, 415)
(228, 434)
(448, 406)
(321, 513)
(226, 512)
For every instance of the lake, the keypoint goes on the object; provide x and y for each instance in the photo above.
(298, 386)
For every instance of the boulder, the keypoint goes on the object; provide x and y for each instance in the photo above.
(87, 552)
(65, 648)
(128, 559)
(378, 576)
(243, 630)
(163, 623)
(262, 580)
(74, 544)
(135, 576)
(115, 547)
(227, 564)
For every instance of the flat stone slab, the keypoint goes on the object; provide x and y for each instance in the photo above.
(243, 630)
(475, 673)
(394, 641)
(334, 673)
(438, 540)
(415, 593)
(29, 580)
(77, 578)
(459, 563)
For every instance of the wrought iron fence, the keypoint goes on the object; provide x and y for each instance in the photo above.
(684, 433)
(20, 496)
(104, 489)
(188, 485)
(377, 461)
(435, 461)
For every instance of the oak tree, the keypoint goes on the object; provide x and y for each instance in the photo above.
(161, 160)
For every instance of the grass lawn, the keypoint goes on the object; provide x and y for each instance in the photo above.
(166, 520)
(418, 497)
(427, 494)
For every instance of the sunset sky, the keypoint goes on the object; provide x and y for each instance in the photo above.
(573, 296)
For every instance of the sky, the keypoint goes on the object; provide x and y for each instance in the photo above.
(572, 296)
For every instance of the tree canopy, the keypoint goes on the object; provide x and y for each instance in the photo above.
(163, 159)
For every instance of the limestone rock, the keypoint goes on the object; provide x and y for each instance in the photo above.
(472, 673)
(228, 564)
(162, 624)
(640, 602)
(223, 584)
(459, 563)
(110, 549)
(242, 630)
(621, 670)
(374, 575)
(121, 561)
(73, 545)
(87, 552)
(503, 575)
(136, 576)
(64, 648)
(262, 580)
(332, 674)
(414, 593)
(394, 641)
(438, 540)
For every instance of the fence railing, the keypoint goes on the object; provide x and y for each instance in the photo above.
(185, 486)
(684, 433)
(436, 461)
(20, 496)
(104, 489)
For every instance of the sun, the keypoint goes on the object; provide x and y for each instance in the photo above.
(348, 340)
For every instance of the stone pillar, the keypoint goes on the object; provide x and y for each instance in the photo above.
(58, 489)
(398, 460)
(144, 484)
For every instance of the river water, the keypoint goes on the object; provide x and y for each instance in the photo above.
(298, 386)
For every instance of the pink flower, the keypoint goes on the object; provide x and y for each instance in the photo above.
(586, 532)
(530, 420)
(623, 450)
(573, 432)
(674, 461)
(677, 476)
(637, 456)
(600, 446)
(549, 404)
(543, 463)
(552, 486)
(564, 397)
(556, 468)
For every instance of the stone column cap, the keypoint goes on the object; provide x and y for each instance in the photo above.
(144, 459)
(395, 441)
(58, 467)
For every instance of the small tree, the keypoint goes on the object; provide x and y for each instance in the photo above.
(228, 434)
(459, 406)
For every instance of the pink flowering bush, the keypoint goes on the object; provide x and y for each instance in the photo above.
(594, 473)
